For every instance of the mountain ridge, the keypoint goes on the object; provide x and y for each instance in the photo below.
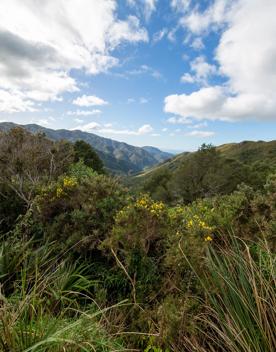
(118, 157)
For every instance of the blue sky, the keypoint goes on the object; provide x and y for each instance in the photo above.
(168, 73)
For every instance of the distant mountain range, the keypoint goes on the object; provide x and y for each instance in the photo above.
(118, 157)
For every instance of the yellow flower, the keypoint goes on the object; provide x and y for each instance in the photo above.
(208, 238)
(59, 192)
(69, 182)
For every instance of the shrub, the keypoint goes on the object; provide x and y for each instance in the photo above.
(76, 211)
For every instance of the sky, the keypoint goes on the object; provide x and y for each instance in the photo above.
(168, 73)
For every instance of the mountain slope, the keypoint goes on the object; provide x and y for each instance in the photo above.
(157, 153)
(247, 152)
(232, 164)
(118, 157)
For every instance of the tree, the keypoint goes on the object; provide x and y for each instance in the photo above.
(84, 151)
(192, 179)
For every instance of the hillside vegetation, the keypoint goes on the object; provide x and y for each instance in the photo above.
(88, 265)
(209, 171)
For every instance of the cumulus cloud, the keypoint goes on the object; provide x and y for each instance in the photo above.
(15, 102)
(246, 56)
(106, 129)
(145, 129)
(40, 45)
(89, 100)
(201, 69)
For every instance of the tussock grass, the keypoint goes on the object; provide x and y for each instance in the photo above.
(45, 304)
(240, 306)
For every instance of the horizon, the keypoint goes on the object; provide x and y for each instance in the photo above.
(173, 74)
(171, 151)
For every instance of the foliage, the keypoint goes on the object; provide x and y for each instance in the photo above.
(42, 303)
(196, 272)
(27, 161)
(77, 210)
(84, 151)
(209, 172)
(241, 308)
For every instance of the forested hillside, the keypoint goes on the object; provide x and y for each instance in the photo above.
(89, 265)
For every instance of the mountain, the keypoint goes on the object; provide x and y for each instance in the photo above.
(234, 163)
(158, 154)
(118, 157)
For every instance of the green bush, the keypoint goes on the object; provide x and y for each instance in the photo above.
(76, 211)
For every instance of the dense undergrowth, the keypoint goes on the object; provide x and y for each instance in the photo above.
(87, 266)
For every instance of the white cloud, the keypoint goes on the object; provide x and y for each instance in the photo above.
(246, 56)
(213, 17)
(14, 102)
(127, 31)
(89, 127)
(197, 44)
(150, 6)
(89, 100)
(180, 5)
(145, 69)
(145, 129)
(202, 71)
(43, 122)
(199, 125)
(205, 103)
(179, 121)
(164, 129)
(106, 129)
(201, 134)
(84, 112)
(146, 6)
(39, 45)
(201, 68)
(188, 78)
(157, 36)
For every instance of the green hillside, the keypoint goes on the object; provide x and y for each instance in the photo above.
(217, 170)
